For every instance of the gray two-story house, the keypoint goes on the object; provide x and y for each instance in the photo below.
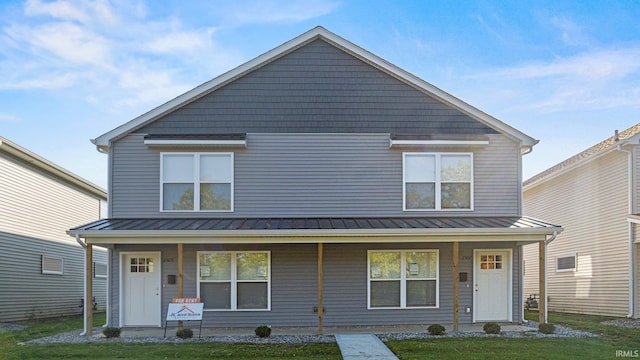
(316, 184)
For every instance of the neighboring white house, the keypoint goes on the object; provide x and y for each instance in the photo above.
(592, 265)
(41, 267)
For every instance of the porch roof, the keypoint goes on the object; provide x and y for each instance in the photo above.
(315, 227)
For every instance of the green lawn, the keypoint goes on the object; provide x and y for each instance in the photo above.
(9, 348)
(611, 339)
(604, 347)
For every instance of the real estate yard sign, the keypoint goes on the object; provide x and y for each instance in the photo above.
(185, 311)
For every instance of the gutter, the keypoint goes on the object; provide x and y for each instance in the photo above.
(84, 282)
(546, 276)
(630, 176)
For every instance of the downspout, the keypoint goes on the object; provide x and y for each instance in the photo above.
(546, 276)
(630, 225)
(84, 282)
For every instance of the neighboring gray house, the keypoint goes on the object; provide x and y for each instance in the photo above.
(41, 267)
(593, 264)
(316, 176)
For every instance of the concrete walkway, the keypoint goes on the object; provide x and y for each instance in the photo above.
(364, 346)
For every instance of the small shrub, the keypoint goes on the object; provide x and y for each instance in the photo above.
(546, 328)
(111, 332)
(184, 333)
(263, 331)
(491, 328)
(436, 329)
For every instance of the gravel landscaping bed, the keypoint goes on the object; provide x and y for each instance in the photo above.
(4, 327)
(74, 337)
(625, 323)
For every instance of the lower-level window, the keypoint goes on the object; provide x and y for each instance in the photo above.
(234, 280)
(403, 278)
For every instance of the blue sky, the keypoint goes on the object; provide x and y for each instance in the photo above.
(564, 72)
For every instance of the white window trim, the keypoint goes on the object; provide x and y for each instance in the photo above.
(234, 281)
(196, 181)
(52, 272)
(100, 276)
(438, 181)
(575, 263)
(403, 279)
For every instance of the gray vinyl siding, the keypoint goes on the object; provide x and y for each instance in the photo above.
(591, 203)
(294, 284)
(317, 88)
(27, 293)
(315, 175)
(36, 209)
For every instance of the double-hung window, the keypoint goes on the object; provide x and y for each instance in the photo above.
(403, 279)
(197, 181)
(438, 181)
(234, 280)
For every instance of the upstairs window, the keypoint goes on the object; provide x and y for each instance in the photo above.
(438, 181)
(197, 181)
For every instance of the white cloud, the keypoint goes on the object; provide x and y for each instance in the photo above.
(268, 11)
(107, 52)
(593, 80)
(7, 118)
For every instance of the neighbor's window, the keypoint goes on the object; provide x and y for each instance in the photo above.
(235, 280)
(403, 278)
(52, 265)
(99, 270)
(438, 181)
(197, 181)
(566, 263)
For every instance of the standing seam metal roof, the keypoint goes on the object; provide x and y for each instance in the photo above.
(346, 223)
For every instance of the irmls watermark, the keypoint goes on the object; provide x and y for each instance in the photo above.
(627, 353)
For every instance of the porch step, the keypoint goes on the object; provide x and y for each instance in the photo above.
(361, 347)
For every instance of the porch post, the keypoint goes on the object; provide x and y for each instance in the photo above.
(542, 265)
(456, 280)
(88, 291)
(180, 278)
(180, 274)
(320, 280)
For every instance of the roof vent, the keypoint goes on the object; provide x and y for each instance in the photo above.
(616, 136)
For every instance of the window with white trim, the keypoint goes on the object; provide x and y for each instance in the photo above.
(566, 263)
(235, 280)
(403, 279)
(437, 181)
(52, 265)
(99, 270)
(196, 181)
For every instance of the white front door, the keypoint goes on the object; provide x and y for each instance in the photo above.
(141, 289)
(492, 285)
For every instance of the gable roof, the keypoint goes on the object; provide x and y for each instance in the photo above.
(47, 166)
(602, 147)
(103, 142)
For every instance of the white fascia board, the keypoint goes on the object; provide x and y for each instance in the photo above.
(531, 238)
(438, 142)
(103, 142)
(337, 233)
(51, 168)
(178, 142)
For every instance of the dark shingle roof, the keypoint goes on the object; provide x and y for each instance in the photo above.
(605, 144)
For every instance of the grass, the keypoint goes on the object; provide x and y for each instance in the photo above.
(611, 339)
(10, 348)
